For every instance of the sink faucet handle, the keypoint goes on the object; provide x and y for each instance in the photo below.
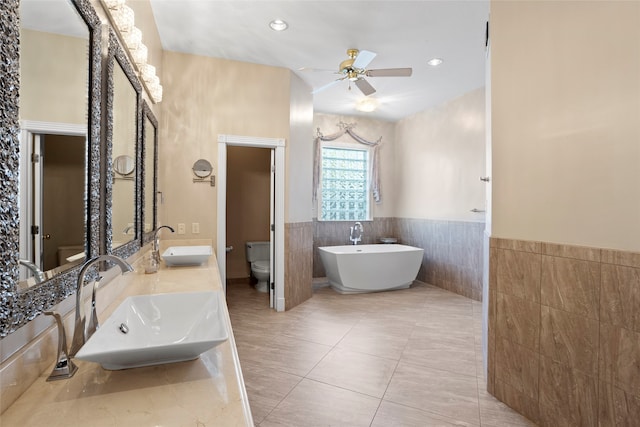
(64, 367)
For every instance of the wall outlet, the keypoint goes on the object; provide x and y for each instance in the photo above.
(195, 228)
(181, 228)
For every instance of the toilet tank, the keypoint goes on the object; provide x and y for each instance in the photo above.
(257, 251)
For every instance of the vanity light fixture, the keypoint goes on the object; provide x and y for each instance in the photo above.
(434, 62)
(114, 4)
(123, 20)
(140, 55)
(133, 38)
(278, 25)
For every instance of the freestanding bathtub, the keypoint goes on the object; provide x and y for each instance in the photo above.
(370, 268)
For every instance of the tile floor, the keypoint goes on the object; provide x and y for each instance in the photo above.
(402, 358)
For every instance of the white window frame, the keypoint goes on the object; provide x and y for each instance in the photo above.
(347, 146)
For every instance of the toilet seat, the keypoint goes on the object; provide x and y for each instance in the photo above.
(261, 266)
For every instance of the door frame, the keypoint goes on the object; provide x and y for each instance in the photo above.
(278, 145)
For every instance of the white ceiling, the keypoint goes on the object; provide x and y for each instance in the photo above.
(402, 33)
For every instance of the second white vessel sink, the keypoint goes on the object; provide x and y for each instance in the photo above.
(186, 255)
(156, 329)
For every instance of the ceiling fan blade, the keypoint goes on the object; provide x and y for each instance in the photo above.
(328, 85)
(315, 70)
(365, 87)
(363, 59)
(390, 72)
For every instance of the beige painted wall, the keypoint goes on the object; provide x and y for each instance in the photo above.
(566, 122)
(54, 73)
(248, 194)
(205, 97)
(370, 130)
(439, 158)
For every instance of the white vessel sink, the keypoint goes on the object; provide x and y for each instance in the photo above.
(186, 255)
(161, 328)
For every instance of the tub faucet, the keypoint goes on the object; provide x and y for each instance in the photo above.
(356, 233)
(82, 333)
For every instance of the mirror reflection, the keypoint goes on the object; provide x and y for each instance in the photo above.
(54, 72)
(149, 171)
(124, 138)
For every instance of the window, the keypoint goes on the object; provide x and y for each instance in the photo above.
(344, 190)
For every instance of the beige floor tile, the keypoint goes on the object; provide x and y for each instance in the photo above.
(441, 350)
(318, 331)
(312, 404)
(266, 388)
(393, 415)
(374, 343)
(286, 354)
(354, 371)
(452, 359)
(434, 390)
(494, 413)
(335, 337)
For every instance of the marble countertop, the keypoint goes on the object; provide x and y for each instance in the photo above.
(207, 391)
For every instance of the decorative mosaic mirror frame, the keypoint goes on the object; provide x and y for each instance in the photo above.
(148, 114)
(116, 53)
(18, 308)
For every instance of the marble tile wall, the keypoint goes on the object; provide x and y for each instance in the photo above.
(564, 332)
(452, 249)
(452, 253)
(298, 276)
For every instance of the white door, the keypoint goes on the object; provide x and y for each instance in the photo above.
(36, 221)
(272, 218)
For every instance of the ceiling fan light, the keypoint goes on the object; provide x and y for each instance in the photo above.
(367, 105)
(434, 62)
(278, 25)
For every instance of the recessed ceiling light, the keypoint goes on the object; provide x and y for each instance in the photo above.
(434, 62)
(278, 25)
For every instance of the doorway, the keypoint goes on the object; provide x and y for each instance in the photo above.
(52, 193)
(276, 146)
(249, 199)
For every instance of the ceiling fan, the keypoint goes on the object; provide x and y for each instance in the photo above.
(355, 70)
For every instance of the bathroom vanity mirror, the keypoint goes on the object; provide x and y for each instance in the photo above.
(202, 168)
(149, 171)
(53, 67)
(123, 141)
(53, 119)
(124, 165)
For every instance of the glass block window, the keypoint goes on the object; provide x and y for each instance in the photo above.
(344, 192)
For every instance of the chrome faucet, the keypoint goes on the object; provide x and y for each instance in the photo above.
(38, 275)
(154, 260)
(356, 233)
(81, 331)
(64, 366)
(155, 251)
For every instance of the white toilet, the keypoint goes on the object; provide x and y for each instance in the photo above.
(258, 256)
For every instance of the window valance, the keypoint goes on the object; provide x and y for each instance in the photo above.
(347, 128)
